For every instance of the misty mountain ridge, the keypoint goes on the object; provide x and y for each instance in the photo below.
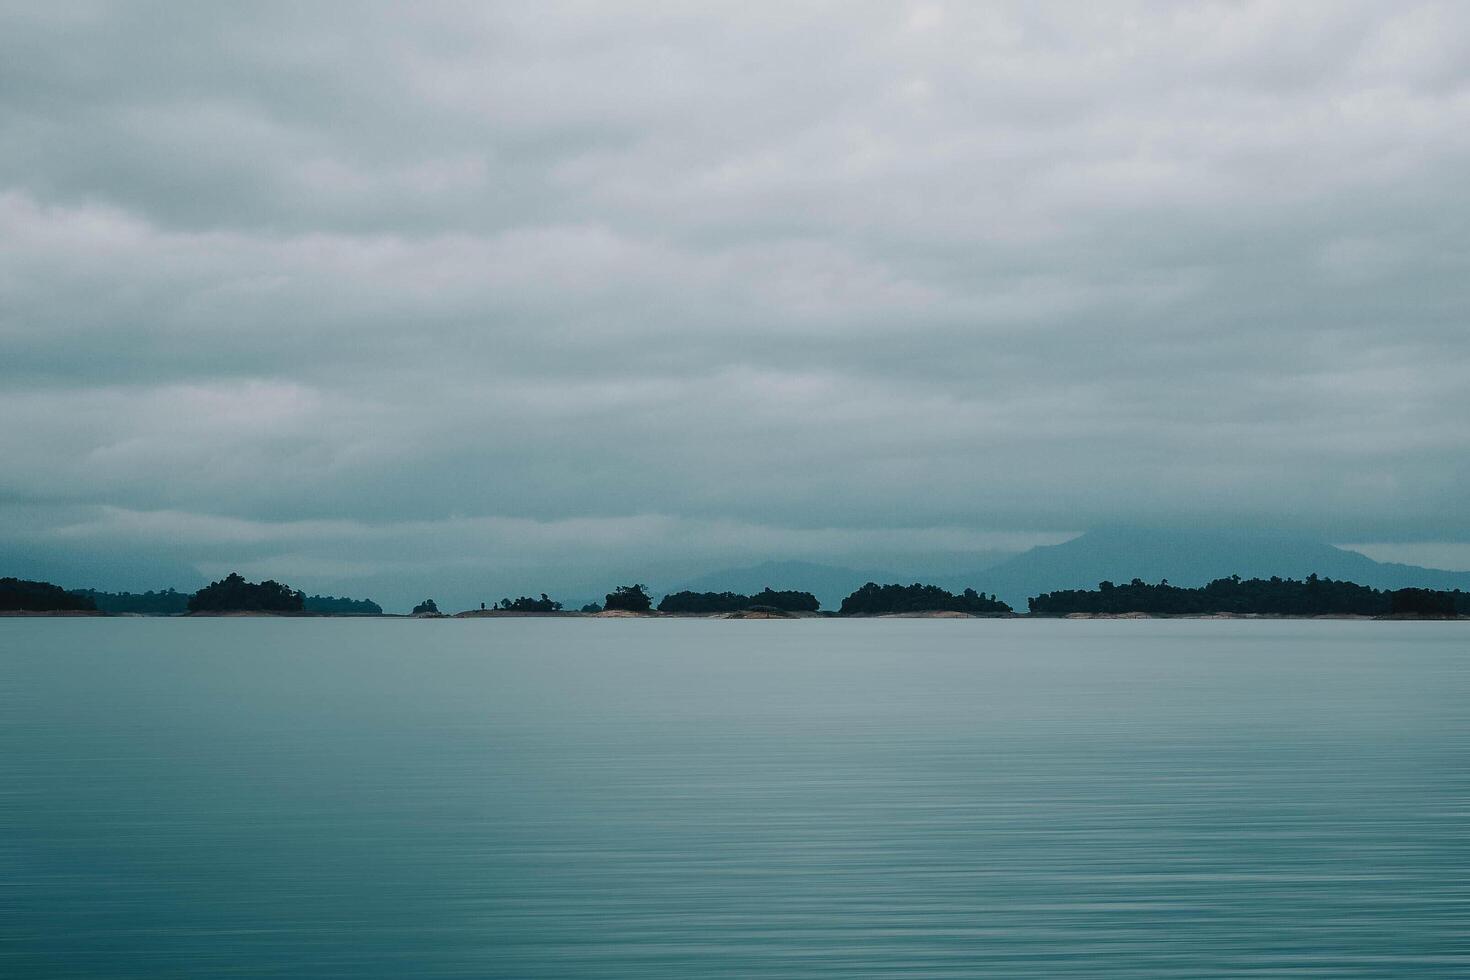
(1188, 558)
(1193, 558)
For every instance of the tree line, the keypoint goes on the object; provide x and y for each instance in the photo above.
(1312, 596)
(878, 600)
(328, 605)
(545, 604)
(171, 602)
(230, 594)
(21, 595)
(723, 602)
(233, 594)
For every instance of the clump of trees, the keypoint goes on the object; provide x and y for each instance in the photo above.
(171, 602)
(787, 600)
(329, 605)
(22, 595)
(1312, 596)
(164, 602)
(544, 604)
(1426, 602)
(233, 594)
(723, 602)
(703, 602)
(426, 608)
(632, 598)
(876, 600)
(592, 607)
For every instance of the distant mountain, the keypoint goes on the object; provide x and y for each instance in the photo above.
(829, 583)
(1193, 558)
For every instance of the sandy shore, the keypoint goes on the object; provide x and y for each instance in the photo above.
(1332, 616)
(51, 612)
(515, 613)
(741, 614)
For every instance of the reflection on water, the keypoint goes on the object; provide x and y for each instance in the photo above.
(613, 798)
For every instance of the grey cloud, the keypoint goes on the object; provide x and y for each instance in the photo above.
(876, 269)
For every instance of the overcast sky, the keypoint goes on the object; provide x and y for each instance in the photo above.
(351, 294)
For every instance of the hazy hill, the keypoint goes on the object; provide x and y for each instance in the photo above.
(1192, 558)
(1185, 558)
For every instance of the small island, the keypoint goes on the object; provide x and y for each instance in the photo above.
(917, 599)
(232, 594)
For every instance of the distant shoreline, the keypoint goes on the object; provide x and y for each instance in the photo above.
(743, 614)
(30, 613)
(1232, 597)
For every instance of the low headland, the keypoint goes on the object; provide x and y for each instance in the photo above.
(1225, 598)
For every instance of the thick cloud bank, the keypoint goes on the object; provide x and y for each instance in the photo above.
(465, 289)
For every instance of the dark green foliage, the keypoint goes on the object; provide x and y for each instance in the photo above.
(168, 602)
(723, 602)
(788, 601)
(592, 607)
(633, 598)
(333, 606)
(1313, 596)
(19, 595)
(428, 606)
(1135, 596)
(233, 594)
(1423, 602)
(875, 600)
(165, 602)
(703, 602)
(527, 604)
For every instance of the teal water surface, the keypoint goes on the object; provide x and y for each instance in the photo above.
(710, 798)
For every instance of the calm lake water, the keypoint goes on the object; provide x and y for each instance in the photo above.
(693, 798)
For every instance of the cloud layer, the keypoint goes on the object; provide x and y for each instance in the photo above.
(302, 284)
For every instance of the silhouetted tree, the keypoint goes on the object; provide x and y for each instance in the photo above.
(233, 594)
(21, 595)
(875, 600)
(723, 602)
(1314, 596)
(1423, 602)
(592, 607)
(703, 602)
(633, 598)
(789, 601)
(527, 604)
(332, 606)
(165, 602)
(428, 606)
